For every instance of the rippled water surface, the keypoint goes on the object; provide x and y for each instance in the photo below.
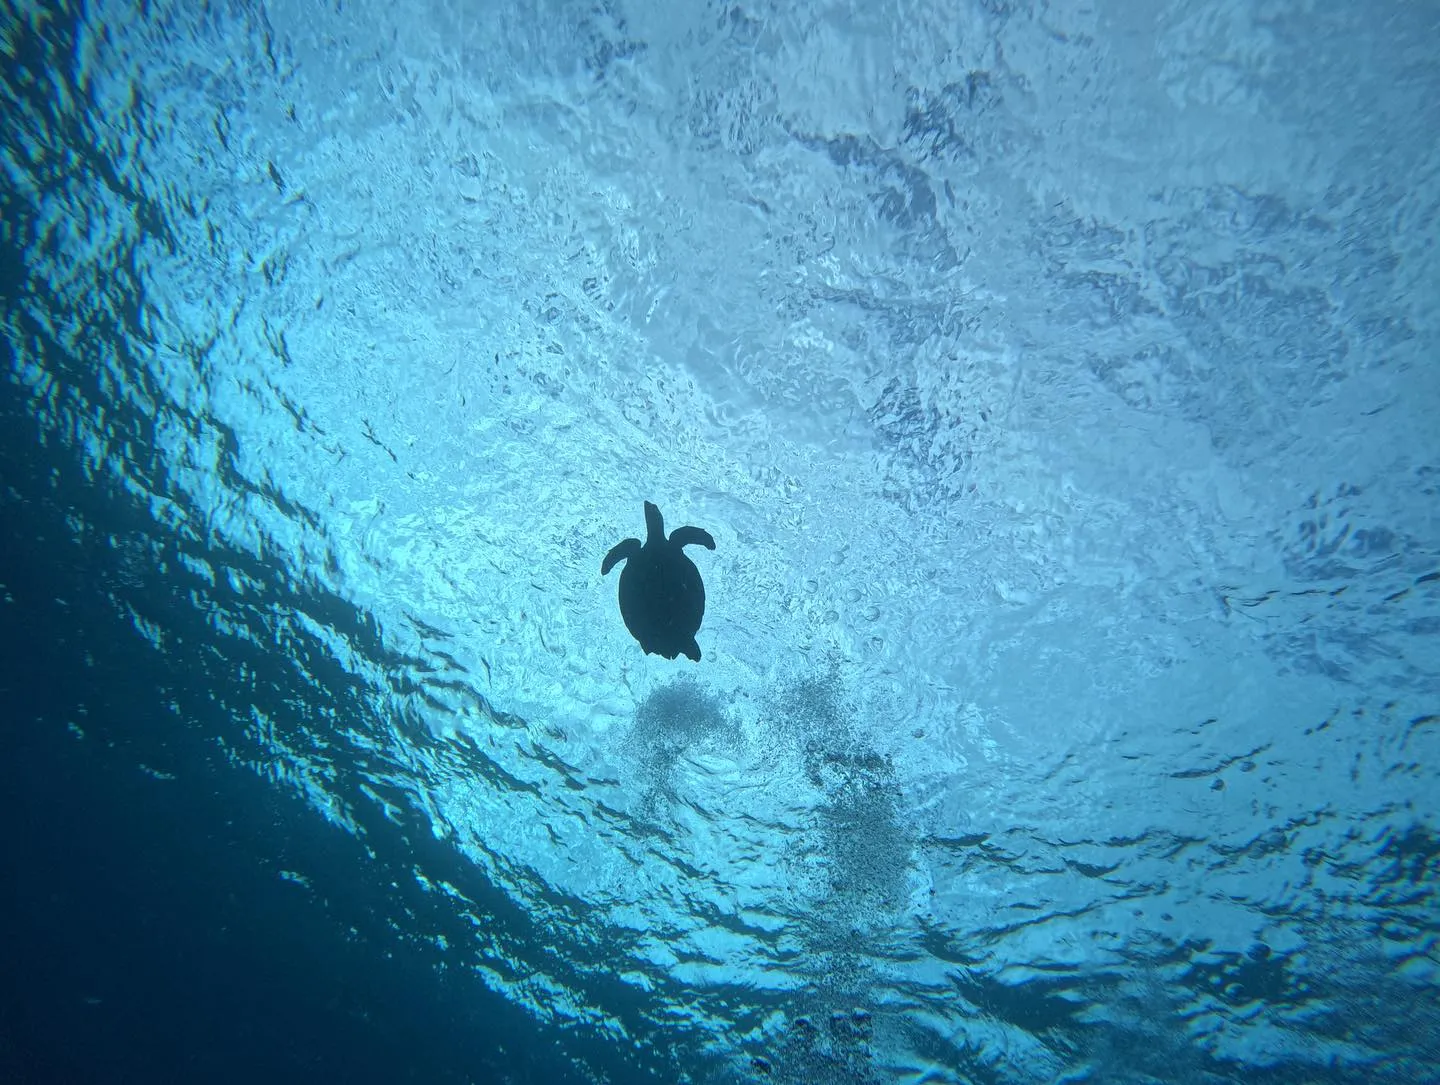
(1059, 383)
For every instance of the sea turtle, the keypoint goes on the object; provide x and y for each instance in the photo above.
(662, 597)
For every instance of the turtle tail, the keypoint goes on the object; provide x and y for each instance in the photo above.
(654, 524)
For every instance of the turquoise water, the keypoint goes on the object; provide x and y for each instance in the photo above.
(1059, 385)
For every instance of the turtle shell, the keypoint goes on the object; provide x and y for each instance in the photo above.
(662, 597)
(662, 600)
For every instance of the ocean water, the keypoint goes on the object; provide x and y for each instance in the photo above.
(1059, 382)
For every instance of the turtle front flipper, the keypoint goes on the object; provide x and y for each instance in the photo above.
(686, 536)
(625, 548)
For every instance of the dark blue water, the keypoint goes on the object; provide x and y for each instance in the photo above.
(1058, 385)
(150, 938)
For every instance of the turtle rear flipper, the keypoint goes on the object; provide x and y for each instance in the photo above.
(692, 536)
(691, 649)
(625, 548)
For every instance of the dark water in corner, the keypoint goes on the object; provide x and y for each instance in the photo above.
(154, 934)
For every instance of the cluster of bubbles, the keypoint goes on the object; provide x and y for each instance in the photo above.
(834, 1047)
(674, 720)
(850, 867)
(863, 850)
(856, 864)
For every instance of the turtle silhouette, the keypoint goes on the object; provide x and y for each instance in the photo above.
(662, 597)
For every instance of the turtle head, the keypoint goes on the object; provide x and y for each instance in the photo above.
(654, 525)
